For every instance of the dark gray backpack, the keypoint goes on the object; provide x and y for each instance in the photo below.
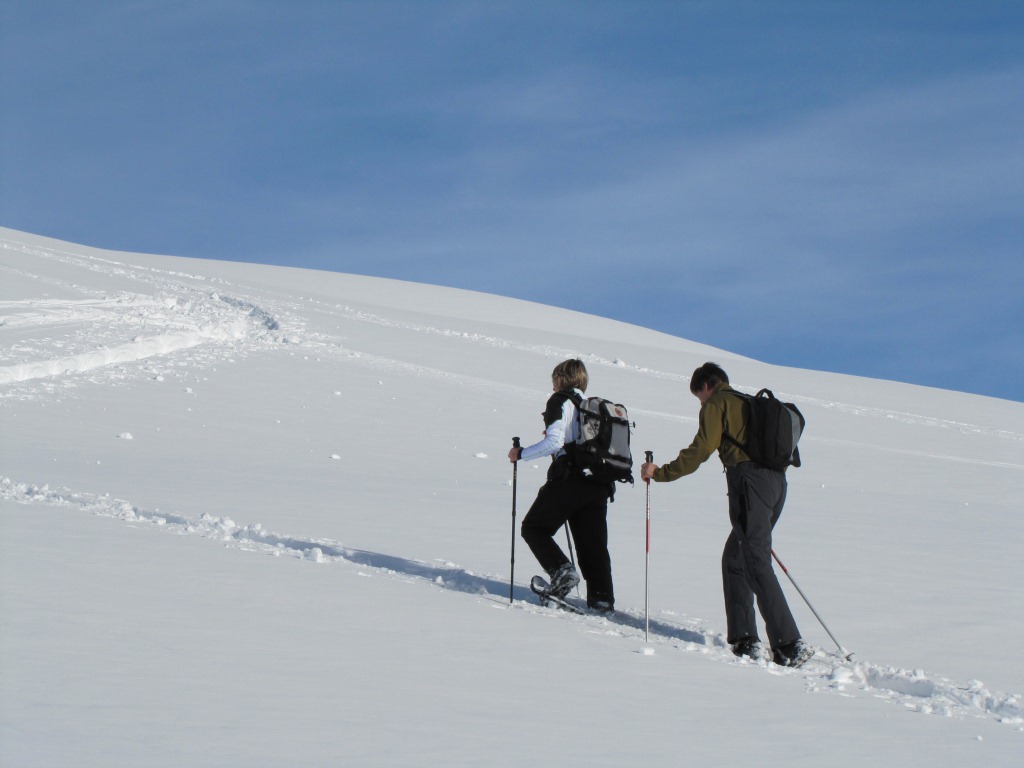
(773, 431)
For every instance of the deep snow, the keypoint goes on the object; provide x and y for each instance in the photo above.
(262, 516)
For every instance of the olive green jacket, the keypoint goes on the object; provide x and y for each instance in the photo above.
(721, 412)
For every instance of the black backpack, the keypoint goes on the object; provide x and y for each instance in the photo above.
(601, 449)
(773, 430)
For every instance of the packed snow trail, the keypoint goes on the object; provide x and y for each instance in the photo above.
(826, 673)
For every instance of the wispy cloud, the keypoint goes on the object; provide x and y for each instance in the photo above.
(817, 186)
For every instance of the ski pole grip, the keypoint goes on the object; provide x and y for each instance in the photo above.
(515, 444)
(650, 456)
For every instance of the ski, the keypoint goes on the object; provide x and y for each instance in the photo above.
(542, 589)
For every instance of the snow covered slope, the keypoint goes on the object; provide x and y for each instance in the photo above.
(261, 516)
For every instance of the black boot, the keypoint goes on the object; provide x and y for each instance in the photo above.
(750, 647)
(793, 654)
(563, 579)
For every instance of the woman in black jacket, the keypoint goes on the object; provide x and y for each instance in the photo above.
(569, 497)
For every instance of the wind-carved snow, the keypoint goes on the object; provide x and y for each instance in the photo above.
(826, 672)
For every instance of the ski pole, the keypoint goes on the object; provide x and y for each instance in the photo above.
(647, 560)
(572, 557)
(515, 477)
(846, 654)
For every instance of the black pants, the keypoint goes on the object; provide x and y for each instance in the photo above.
(756, 497)
(583, 503)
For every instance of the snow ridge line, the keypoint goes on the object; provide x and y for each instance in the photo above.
(168, 280)
(914, 689)
(252, 310)
(591, 359)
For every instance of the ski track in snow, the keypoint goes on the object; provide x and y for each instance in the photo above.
(209, 320)
(104, 335)
(827, 672)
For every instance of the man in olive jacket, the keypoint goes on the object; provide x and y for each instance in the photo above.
(756, 497)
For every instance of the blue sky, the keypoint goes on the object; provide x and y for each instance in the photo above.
(826, 185)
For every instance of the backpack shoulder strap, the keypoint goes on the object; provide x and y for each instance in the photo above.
(725, 426)
(553, 409)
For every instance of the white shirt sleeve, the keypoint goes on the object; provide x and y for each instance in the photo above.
(554, 440)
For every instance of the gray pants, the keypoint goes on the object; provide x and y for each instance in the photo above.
(756, 497)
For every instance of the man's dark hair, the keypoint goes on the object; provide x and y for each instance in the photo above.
(709, 373)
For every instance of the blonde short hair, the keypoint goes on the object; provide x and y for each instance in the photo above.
(570, 374)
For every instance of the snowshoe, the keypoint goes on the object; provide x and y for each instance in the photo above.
(548, 598)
